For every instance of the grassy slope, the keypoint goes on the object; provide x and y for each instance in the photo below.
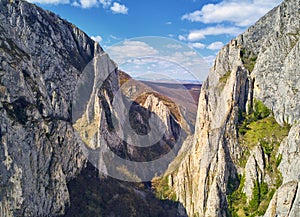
(258, 128)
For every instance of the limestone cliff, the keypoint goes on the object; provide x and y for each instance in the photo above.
(246, 144)
(124, 136)
(41, 59)
(53, 78)
(246, 108)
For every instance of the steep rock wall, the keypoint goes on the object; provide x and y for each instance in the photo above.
(41, 59)
(262, 64)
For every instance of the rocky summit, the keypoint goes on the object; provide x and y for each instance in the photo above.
(242, 158)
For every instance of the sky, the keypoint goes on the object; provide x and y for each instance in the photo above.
(174, 38)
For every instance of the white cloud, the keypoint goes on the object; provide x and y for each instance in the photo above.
(88, 3)
(76, 4)
(141, 54)
(241, 13)
(115, 7)
(174, 46)
(209, 59)
(114, 37)
(197, 45)
(50, 1)
(181, 38)
(215, 45)
(216, 30)
(168, 23)
(175, 67)
(105, 3)
(190, 53)
(130, 50)
(118, 8)
(97, 38)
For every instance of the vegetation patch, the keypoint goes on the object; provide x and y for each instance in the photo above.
(257, 206)
(86, 129)
(236, 198)
(258, 128)
(248, 59)
(123, 77)
(162, 188)
(225, 77)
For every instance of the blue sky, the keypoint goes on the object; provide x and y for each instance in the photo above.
(201, 26)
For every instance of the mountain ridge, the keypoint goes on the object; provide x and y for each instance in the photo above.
(43, 59)
(245, 150)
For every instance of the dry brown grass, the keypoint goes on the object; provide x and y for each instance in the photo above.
(123, 77)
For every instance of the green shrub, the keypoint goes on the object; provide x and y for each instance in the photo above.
(255, 201)
(162, 188)
(267, 147)
(278, 160)
(248, 59)
(264, 188)
(278, 180)
(258, 127)
(260, 110)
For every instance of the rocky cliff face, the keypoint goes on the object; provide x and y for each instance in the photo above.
(45, 62)
(41, 60)
(246, 145)
(244, 149)
(120, 132)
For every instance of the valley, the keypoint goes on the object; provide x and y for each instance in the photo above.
(81, 137)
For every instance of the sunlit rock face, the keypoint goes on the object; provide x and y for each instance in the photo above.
(261, 64)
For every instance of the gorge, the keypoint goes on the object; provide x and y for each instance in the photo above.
(241, 157)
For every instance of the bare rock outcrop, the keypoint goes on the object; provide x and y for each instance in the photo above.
(286, 201)
(41, 59)
(260, 64)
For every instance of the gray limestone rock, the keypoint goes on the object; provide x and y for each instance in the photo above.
(254, 171)
(262, 63)
(41, 60)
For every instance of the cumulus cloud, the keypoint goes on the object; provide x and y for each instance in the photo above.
(139, 54)
(119, 8)
(209, 59)
(97, 38)
(105, 3)
(215, 30)
(197, 45)
(88, 3)
(50, 1)
(181, 38)
(215, 45)
(115, 7)
(130, 50)
(174, 46)
(241, 13)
